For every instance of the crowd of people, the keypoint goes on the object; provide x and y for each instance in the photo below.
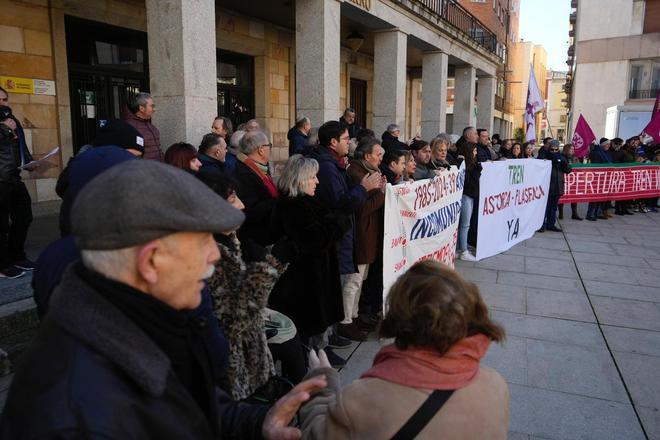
(202, 288)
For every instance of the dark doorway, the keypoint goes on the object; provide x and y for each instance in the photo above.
(359, 100)
(108, 66)
(235, 87)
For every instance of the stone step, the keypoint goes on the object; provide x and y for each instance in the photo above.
(18, 319)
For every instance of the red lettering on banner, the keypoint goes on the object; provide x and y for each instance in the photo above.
(400, 265)
(399, 241)
(445, 254)
(408, 214)
(598, 184)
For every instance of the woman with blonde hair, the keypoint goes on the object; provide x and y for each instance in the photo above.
(442, 331)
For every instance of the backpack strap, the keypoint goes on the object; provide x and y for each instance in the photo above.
(423, 415)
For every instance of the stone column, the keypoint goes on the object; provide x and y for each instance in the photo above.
(434, 94)
(486, 102)
(389, 80)
(317, 60)
(464, 91)
(182, 68)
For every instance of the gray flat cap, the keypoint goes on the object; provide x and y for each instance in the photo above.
(139, 201)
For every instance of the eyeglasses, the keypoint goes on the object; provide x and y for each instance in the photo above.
(268, 145)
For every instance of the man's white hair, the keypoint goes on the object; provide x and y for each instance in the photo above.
(110, 263)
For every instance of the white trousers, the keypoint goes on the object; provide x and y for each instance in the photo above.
(351, 286)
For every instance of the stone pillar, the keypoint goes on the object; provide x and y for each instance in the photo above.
(464, 91)
(182, 66)
(486, 102)
(317, 60)
(434, 94)
(389, 80)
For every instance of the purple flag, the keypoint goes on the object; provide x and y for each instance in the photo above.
(653, 129)
(582, 137)
(656, 106)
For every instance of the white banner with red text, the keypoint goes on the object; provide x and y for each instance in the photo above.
(512, 198)
(605, 182)
(421, 221)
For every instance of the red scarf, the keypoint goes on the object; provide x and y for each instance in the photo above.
(268, 181)
(425, 369)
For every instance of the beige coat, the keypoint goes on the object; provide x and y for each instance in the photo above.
(375, 409)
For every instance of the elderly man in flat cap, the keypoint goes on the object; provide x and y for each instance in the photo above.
(117, 356)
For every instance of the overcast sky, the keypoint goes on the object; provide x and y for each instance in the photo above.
(545, 22)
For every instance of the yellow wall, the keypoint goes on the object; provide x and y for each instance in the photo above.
(26, 51)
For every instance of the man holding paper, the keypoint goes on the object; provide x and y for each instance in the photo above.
(15, 201)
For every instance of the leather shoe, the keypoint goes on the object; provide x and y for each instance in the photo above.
(351, 331)
(576, 217)
(553, 229)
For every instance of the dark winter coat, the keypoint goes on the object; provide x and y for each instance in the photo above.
(149, 133)
(483, 153)
(212, 165)
(60, 254)
(13, 152)
(560, 166)
(472, 176)
(107, 379)
(298, 142)
(258, 206)
(309, 292)
(368, 219)
(337, 192)
(598, 155)
(390, 143)
(353, 129)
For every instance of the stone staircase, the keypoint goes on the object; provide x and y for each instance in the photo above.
(18, 313)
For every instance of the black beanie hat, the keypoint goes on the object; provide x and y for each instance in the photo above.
(119, 133)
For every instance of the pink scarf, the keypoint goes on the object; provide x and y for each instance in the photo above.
(425, 369)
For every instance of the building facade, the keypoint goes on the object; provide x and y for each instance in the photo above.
(555, 120)
(527, 55)
(614, 60)
(391, 60)
(501, 17)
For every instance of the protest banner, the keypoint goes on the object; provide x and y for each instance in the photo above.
(512, 200)
(605, 182)
(421, 221)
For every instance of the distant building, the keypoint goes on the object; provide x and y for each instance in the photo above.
(74, 62)
(527, 54)
(613, 59)
(556, 114)
(502, 18)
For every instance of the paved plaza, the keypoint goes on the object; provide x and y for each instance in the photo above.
(582, 314)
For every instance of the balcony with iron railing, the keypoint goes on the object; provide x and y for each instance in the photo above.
(460, 18)
(643, 94)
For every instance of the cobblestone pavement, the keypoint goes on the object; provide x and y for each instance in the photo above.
(582, 314)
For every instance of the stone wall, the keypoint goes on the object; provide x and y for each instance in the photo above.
(26, 51)
(273, 49)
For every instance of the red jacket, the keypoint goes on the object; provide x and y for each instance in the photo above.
(150, 134)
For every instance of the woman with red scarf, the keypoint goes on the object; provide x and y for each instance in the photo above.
(441, 331)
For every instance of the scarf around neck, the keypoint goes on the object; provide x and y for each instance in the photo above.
(424, 368)
(265, 177)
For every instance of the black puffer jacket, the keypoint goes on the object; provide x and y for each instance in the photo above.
(391, 143)
(472, 176)
(10, 156)
(93, 373)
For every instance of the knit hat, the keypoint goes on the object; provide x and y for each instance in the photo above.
(554, 143)
(119, 133)
(604, 141)
(141, 200)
